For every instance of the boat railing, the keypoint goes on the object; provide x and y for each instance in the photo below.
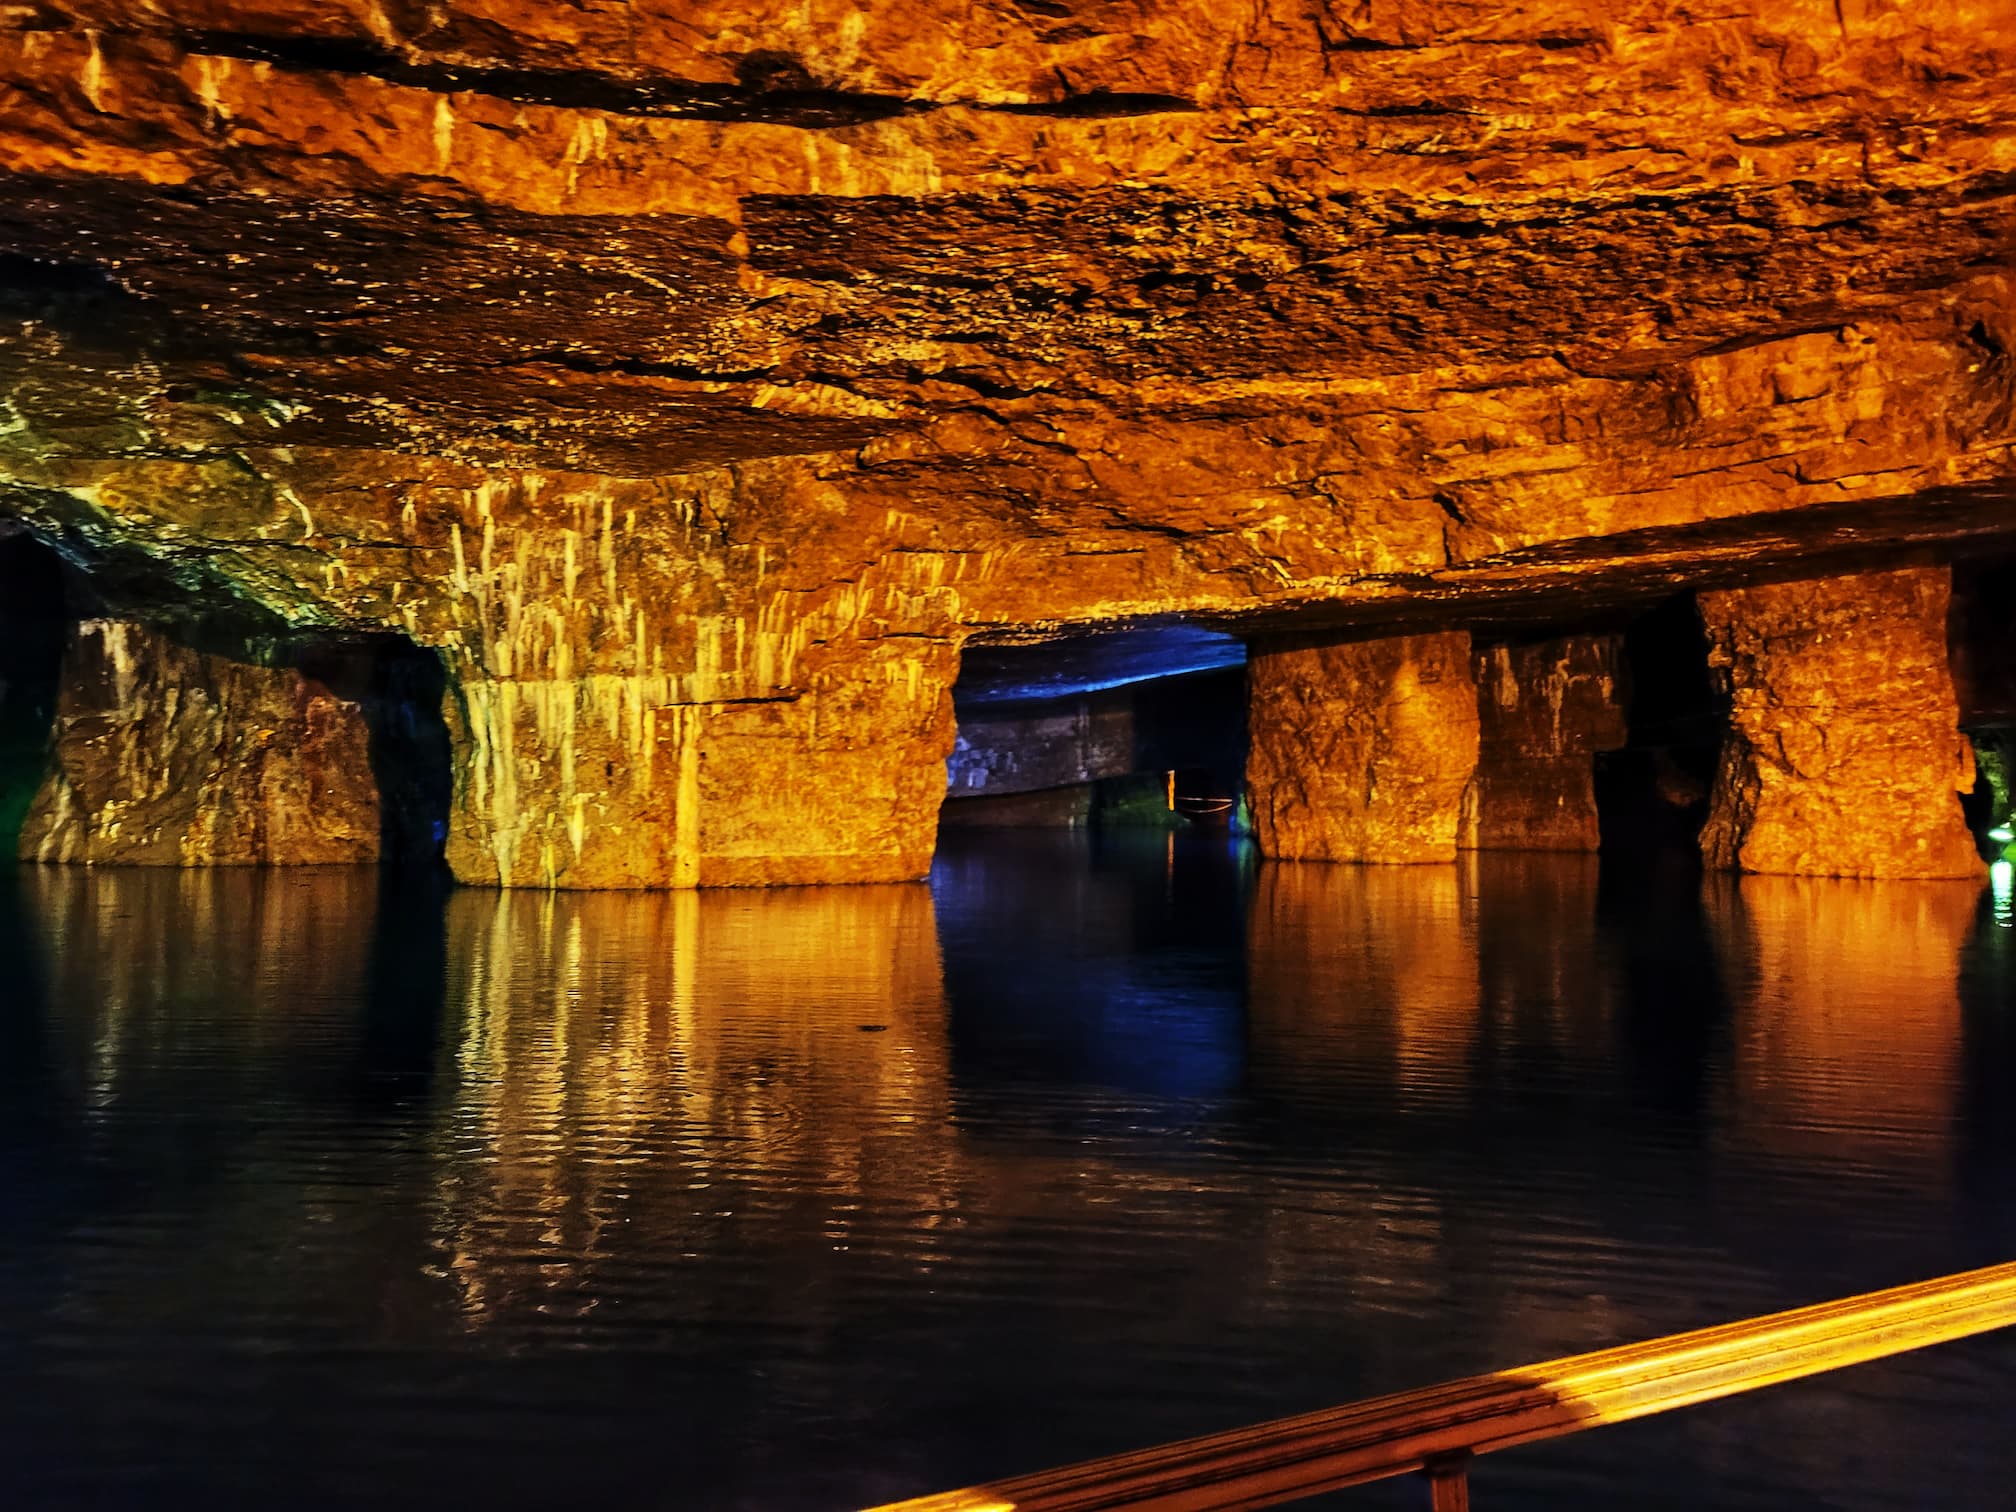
(1438, 1430)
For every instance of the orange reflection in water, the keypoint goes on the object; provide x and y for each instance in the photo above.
(1374, 967)
(141, 946)
(1847, 1032)
(623, 1052)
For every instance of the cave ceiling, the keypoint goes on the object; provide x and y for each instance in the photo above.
(1361, 308)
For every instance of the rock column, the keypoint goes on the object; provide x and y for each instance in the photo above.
(168, 756)
(1361, 750)
(1844, 753)
(1544, 711)
(634, 782)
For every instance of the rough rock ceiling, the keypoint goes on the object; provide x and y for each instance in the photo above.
(699, 381)
(1320, 295)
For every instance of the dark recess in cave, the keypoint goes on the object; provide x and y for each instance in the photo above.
(1984, 678)
(33, 621)
(399, 687)
(1652, 795)
(1087, 730)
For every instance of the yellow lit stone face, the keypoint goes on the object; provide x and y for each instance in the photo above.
(697, 412)
(1361, 750)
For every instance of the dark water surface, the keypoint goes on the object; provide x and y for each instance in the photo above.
(318, 1195)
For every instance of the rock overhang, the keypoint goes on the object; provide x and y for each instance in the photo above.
(757, 360)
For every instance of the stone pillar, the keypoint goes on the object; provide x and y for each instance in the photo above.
(1844, 753)
(166, 756)
(617, 781)
(1543, 711)
(1360, 750)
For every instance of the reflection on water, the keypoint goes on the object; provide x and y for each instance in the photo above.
(815, 1197)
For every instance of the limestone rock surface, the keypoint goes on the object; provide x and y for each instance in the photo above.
(165, 756)
(1844, 756)
(1361, 750)
(1544, 710)
(696, 381)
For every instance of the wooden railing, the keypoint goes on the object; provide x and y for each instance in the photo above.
(1439, 1429)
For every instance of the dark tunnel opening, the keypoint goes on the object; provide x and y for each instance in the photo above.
(1143, 728)
(34, 622)
(398, 688)
(1984, 679)
(1652, 793)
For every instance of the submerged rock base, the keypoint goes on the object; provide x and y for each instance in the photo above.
(1844, 755)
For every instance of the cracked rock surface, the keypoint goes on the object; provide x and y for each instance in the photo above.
(696, 381)
(1844, 755)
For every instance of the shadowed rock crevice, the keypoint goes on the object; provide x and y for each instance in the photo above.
(1652, 791)
(33, 622)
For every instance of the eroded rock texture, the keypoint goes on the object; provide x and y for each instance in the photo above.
(1844, 756)
(165, 756)
(1544, 710)
(1361, 750)
(1056, 743)
(696, 381)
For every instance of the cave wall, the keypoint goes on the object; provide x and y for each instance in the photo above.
(167, 756)
(1059, 742)
(694, 387)
(1544, 710)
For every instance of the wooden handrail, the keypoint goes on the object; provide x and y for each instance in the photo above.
(1439, 1427)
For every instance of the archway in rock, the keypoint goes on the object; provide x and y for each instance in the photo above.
(1138, 727)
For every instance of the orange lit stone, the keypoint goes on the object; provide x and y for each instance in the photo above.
(1361, 750)
(165, 756)
(1544, 710)
(1844, 753)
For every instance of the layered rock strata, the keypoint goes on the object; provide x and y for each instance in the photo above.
(1544, 710)
(1844, 755)
(695, 382)
(1056, 743)
(1361, 750)
(167, 756)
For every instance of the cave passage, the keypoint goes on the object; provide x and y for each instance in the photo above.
(1652, 791)
(1136, 728)
(33, 626)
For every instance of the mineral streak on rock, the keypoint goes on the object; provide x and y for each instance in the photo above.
(1844, 754)
(695, 381)
(1361, 750)
(165, 756)
(1544, 711)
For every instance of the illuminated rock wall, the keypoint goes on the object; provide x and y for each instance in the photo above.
(1361, 750)
(1844, 754)
(1544, 710)
(695, 381)
(165, 756)
(614, 782)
